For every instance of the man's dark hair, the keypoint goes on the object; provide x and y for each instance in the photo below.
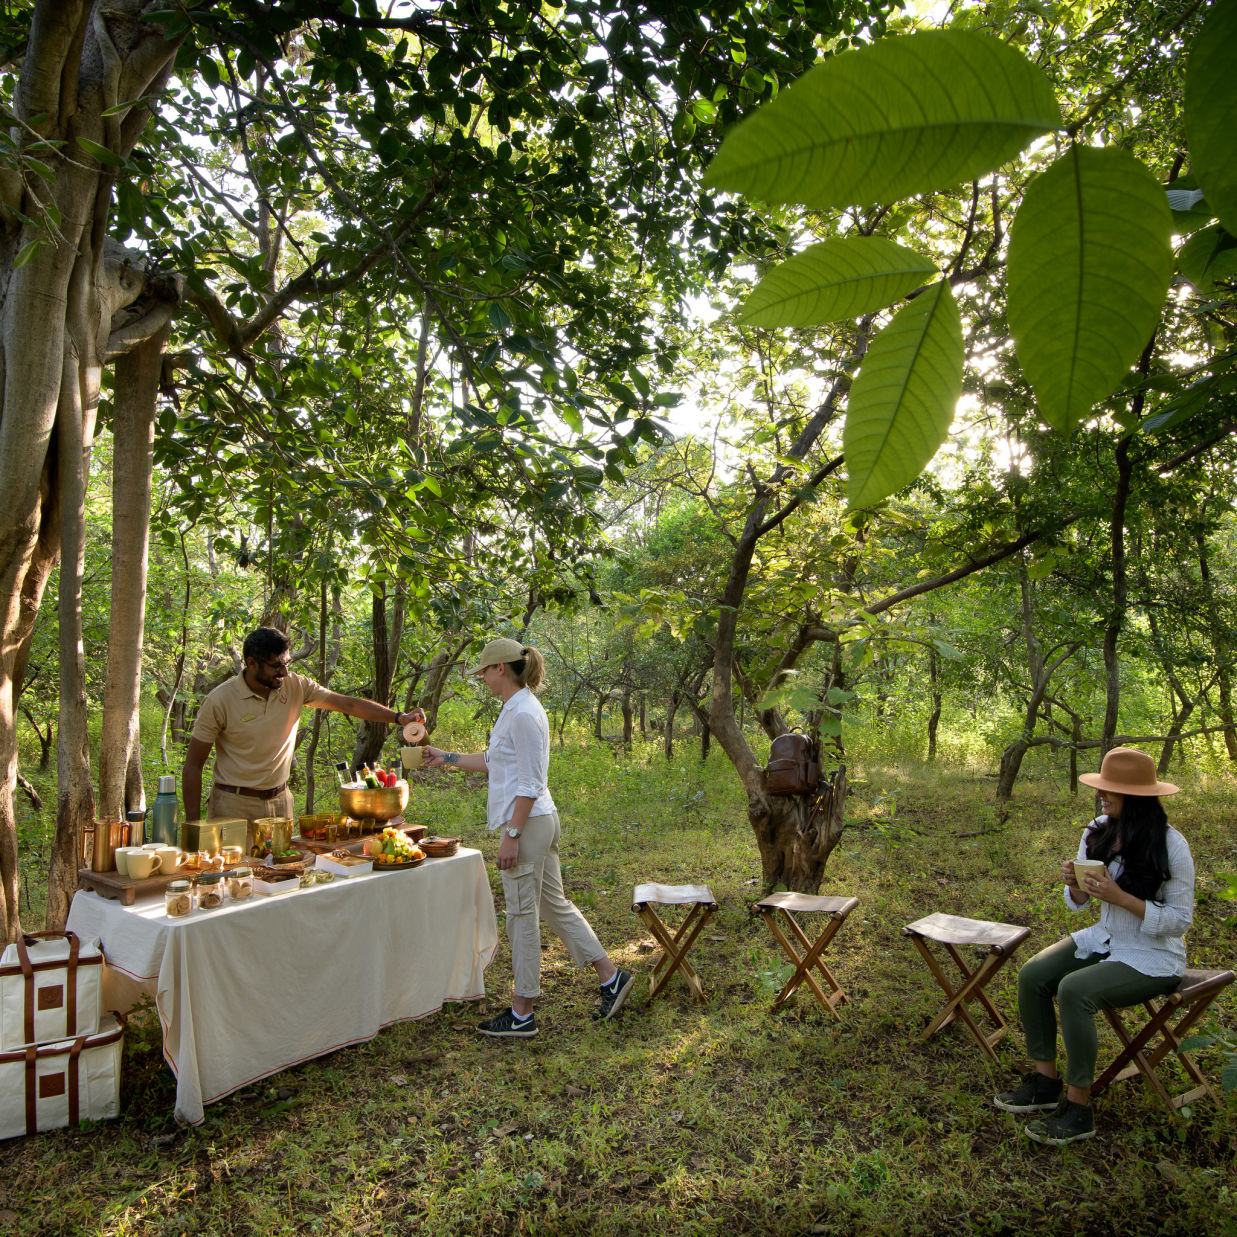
(265, 644)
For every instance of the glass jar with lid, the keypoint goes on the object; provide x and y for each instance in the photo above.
(210, 891)
(240, 884)
(178, 899)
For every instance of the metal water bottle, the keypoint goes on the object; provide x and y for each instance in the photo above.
(163, 814)
(137, 826)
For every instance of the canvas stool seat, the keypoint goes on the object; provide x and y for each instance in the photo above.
(675, 943)
(778, 910)
(1142, 1053)
(954, 933)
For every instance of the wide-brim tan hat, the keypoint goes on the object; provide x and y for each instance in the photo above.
(499, 652)
(1127, 771)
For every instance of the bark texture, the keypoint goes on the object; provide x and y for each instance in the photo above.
(66, 310)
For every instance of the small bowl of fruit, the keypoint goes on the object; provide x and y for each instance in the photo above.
(377, 794)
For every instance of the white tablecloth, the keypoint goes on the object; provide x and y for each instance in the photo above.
(255, 987)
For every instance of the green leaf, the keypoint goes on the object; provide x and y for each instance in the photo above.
(1089, 264)
(1208, 255)
(903, 398)
(1211, 111)
(834, 280)
(575, 421)
(901, 116)
(110, 157)
(24, 254)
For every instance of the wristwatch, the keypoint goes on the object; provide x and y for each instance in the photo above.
(398, 722)
(512, 833)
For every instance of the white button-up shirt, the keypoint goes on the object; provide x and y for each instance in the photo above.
(518, 759)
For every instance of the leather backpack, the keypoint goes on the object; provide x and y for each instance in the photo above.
(793, 768)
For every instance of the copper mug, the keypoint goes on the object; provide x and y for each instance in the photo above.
(106, 836)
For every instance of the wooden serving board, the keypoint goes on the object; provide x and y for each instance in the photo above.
(127, 889)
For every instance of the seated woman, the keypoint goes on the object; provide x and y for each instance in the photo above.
(1136, 951)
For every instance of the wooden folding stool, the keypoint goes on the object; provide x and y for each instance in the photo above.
(952, 932)
(1188, 1003)
(674, 946)
(793, 939)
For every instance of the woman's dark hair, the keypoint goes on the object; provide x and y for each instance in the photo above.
(1140, 836)
(265, 644)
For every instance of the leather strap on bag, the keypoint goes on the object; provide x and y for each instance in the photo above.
(27, 969)
(72, 1070)
(32, 1108)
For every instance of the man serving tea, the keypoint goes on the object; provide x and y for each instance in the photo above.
(251, 721)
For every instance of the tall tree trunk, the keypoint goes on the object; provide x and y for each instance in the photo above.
(328, 658)
(174, 704)
(1116, 616)
(75, 423)
(627, 719)
(795, 841)
(133, 433)
(934, 718)
(372, 735)
(668, 739)
(78, 66)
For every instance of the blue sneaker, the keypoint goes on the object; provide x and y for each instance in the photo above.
(508, 1025)
(613, 995)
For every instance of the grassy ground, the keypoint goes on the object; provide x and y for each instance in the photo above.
(676, 1117)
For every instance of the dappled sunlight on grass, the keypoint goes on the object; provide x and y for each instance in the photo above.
(680, 1117)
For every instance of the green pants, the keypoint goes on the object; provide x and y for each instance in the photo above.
(1082, 986)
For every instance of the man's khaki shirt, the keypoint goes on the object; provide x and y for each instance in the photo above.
(254, 738)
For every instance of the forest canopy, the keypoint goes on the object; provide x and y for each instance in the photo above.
(832, 367)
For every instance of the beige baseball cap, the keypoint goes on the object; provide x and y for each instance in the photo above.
(499, 652)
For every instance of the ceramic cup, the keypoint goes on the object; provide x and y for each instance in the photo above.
(142, 863)
(1086, 867)
(122, 858)
(169, 858)
(412, 757)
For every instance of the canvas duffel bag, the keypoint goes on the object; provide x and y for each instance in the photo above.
(48, 1086)
(50, 989)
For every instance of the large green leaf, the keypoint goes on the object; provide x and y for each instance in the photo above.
(834, 280)
(899, 117)
(904, 396)
(1089, 263)
(1211, 111)
(1208, 255)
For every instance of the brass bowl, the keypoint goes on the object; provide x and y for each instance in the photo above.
(382, 803)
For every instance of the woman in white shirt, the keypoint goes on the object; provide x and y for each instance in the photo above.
(519, 803)
(1135, 952)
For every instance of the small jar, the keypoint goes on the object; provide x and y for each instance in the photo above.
(240, 884)
(210, 891)
(178, 899)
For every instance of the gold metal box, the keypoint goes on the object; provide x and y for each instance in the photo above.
(213, 835)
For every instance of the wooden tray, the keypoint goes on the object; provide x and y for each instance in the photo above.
(353, 845)
(398, 867)
(127, 889)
